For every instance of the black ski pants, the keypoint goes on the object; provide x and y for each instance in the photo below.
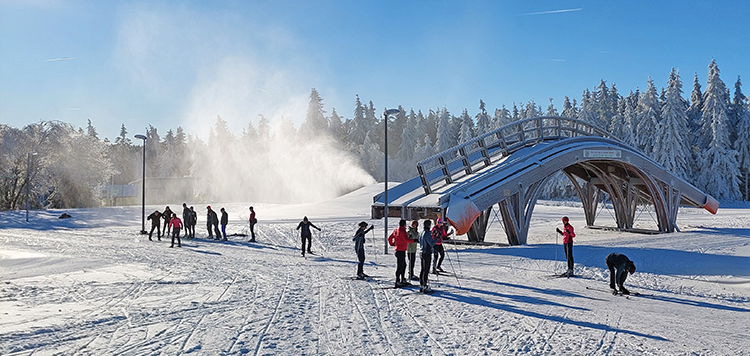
(613, 275)
(210, 232)
(308, 238)
(252, 232)
(400, 265)
(412, 260)
(216, 230)
(425, 272)
(569, 254)
(361, 258)
(439, 251)
(176, 234)
(158, 231)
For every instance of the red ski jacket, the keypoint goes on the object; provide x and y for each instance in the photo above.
(568, 234)
(400, 238)
(176, 223)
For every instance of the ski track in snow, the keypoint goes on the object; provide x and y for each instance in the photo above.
(97, 290)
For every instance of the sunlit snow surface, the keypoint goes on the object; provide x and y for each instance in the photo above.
(91, 285)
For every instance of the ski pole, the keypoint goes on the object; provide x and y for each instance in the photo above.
(452, 269)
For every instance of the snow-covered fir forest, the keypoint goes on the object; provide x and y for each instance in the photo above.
(703, 137)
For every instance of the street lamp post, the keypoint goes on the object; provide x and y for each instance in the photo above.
(28, 182)
(386, 114)
(143, 187)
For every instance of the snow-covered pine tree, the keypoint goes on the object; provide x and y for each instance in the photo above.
(421, 130)
(425, 150)
(718, 162)
(587, 113)
(648, 118)
(264, 128)
(502, 117)
(484, 122)
(737, 107)
(694, 110)
(569, 109)
(315, 119)
(360, 125)
(618, 121)
(630, 119)
(466, 127)
(671, 147)
(603, 105)
(336, 126)
(409, 139)
(551, 110)
(443, 141)
(742, 144)
(91, 130)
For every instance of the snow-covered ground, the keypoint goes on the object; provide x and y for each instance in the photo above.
(91, 285)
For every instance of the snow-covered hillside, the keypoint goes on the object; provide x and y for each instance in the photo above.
(91, 285)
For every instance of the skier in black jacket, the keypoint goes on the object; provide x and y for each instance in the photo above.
(212, 221)
(167, 215)
(623, 265)
(185, 219)
(306, 234)
(224, 222)
(155, 218)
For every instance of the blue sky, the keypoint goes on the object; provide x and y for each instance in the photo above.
(175, 63)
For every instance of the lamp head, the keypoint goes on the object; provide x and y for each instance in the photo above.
(390, 112)
(141, 137)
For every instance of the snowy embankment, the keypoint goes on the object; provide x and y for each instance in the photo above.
(92, 285)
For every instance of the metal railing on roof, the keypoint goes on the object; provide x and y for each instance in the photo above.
(482, 151)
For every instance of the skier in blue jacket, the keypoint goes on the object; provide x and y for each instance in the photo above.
(359, 247)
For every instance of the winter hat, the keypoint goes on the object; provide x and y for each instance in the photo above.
(363, 224)
(208, 207)
(565, 218)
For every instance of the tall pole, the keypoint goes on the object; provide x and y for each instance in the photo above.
(143, 191)
(385, 227)
(143, 187)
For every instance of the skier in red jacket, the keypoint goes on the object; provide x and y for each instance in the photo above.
(568, 236)
(400, 239)
(175, 224)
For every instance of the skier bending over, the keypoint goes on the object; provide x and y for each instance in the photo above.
(568, 236)
(306, 234)
(623, 265)
(359, 247)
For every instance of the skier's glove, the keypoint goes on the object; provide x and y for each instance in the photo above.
(558, 231)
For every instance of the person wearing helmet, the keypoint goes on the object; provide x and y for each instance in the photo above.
(623, 265)
(568, 234)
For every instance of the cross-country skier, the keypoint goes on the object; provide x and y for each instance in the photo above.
(568, 235)
(411, 248)
(426, 243)
(306, 234)
(155, 218)
(224, 222)
(400, 239)
(251, 222)
(359, 247)
(167, 215)
(441, 232)
(212, 221)
(175, 224)
(193, 221)
(186, 219)
(623, 265)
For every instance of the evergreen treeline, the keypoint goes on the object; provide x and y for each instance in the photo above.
(704, 139)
